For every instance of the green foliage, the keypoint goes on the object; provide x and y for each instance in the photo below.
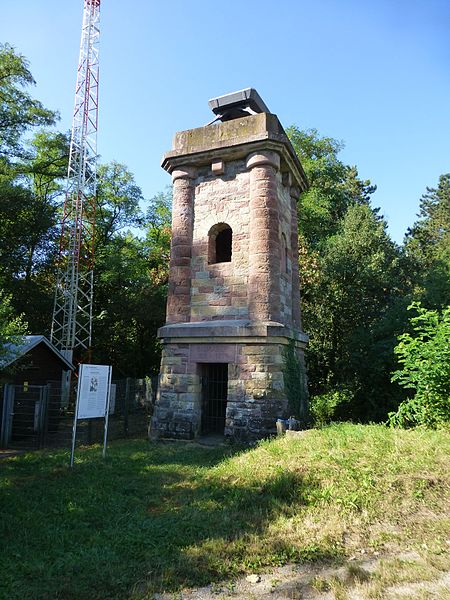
(130, 306)
(18, 110)
(12, 328)
(46, 167)
(424, 356)
(355, 284)
(333, 186)
(349, 311)
(29, 213)
(30, 183)
(158, 230)
(118, 198)
(295, 383)
(131, 286)
(427, 245)
(326, 408)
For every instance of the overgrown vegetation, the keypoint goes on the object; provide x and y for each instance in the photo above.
(326, 408)
(161, 517)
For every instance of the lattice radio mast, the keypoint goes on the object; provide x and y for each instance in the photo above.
(72, 312)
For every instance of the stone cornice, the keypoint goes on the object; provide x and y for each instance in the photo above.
(230, 330)
(234, 140)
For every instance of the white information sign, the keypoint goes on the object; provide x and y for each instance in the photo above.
(93, 391)
(93, 399)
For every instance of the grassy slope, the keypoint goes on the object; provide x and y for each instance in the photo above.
(162, 516)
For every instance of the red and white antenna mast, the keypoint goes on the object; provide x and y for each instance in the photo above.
(72, 312)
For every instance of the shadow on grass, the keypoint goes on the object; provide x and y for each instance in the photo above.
(149, 518)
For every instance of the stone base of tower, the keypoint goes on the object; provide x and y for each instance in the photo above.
(247, 362)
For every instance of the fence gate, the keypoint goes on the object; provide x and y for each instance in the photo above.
(214, 402)
(41, 416)
(24, 416)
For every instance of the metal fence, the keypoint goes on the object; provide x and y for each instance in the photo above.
(34, 417)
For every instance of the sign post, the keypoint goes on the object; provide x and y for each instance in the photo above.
(93, 395)
(108, 400)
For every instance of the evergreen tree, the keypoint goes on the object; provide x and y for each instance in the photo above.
(427, 244)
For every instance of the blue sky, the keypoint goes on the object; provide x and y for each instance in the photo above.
(373, 73)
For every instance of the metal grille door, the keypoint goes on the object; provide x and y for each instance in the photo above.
(25, 414)
(214, 405)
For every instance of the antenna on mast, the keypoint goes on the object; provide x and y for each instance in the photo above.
(72, 312)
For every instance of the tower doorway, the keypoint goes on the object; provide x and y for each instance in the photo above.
(214, 397)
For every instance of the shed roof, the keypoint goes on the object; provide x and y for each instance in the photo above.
(16, 351)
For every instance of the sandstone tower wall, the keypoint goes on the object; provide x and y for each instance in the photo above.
(234, 298)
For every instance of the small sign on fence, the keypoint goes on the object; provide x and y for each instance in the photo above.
(93, 399)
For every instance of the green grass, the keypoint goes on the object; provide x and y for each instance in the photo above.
(156, 517)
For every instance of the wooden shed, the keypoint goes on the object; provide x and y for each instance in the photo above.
(33, 378)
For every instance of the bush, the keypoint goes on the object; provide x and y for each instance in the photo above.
(425, 359)
(327, 407)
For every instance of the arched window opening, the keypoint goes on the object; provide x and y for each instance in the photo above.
(220, 243)
(223, 245)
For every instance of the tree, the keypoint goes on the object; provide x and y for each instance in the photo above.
(427, 244)
(130, 291)
(12, 328)
(130, 306)
(18, 110)
(46, 167)
(131, 268)
(118, 198)
(424, 357)
(333, 186)
(29, 231)
(158, 228)
(44, 175)
(27, 210)
(353, 281)
(358, 282)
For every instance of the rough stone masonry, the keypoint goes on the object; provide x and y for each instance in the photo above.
(234, 296)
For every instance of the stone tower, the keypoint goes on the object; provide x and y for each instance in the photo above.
(234, 298)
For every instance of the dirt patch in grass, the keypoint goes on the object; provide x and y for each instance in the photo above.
(368, 579)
